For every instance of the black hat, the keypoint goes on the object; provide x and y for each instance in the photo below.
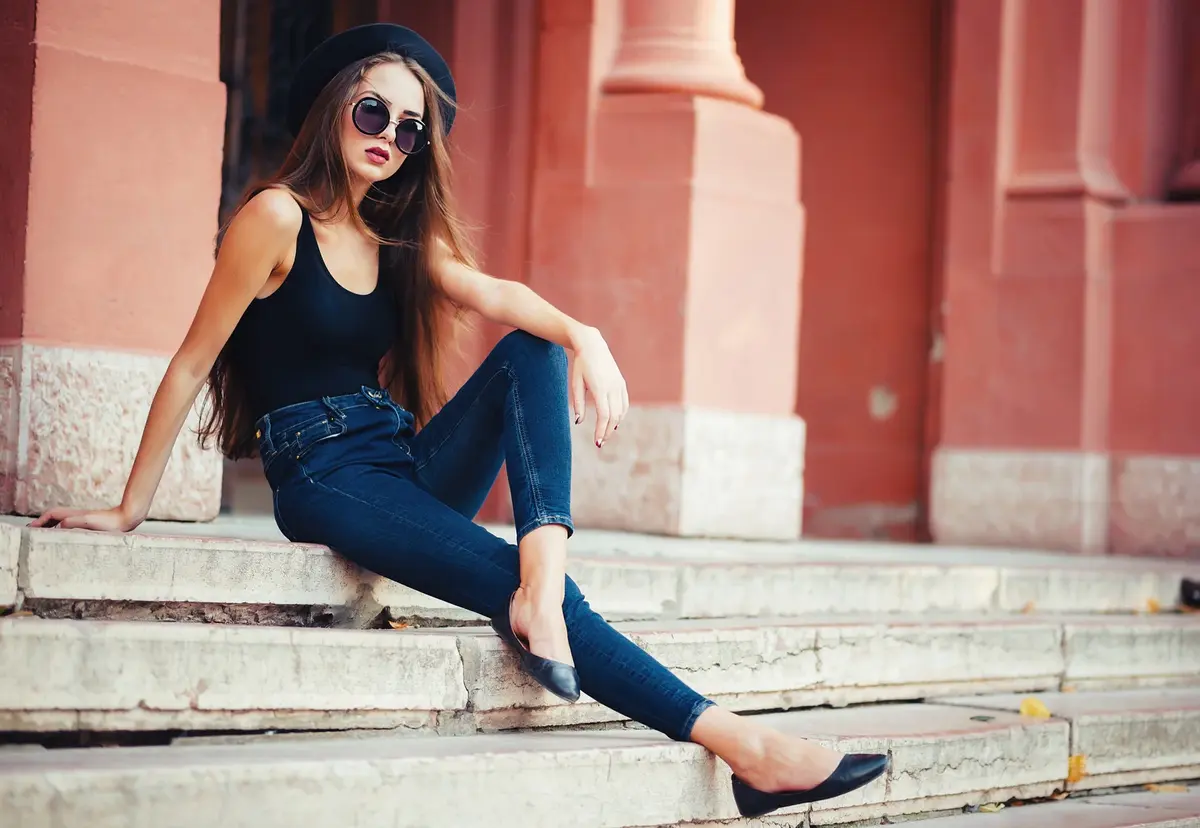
(339, 51)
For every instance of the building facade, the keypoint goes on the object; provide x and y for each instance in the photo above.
(874, 269)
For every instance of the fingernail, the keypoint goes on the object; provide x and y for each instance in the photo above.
(578, 420)
(599, 443)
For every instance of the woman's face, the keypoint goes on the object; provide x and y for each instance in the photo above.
(391, 87)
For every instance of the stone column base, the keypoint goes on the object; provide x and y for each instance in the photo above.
(1047, 500)
(1155, 506)
(70, 423)
(693, 472)
(1071, 501)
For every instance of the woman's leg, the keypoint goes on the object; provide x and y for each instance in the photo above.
(391, 526)
(513, 410)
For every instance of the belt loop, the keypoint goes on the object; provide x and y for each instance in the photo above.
(332, 409)
(264, 434)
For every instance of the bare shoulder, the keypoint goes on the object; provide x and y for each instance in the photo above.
(273, 211)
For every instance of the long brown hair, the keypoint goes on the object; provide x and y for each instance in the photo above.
(407, 214)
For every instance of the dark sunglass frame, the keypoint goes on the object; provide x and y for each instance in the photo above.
(407, 126)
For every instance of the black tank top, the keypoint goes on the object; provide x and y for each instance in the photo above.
(312, 337)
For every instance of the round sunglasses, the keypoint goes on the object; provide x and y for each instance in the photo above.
(371, 117)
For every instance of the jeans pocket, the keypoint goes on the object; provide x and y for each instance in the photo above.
(301, 439)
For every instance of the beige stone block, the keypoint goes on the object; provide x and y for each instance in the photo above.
(727, 589)
(692, 472)
(65, 675)
(79, 418)
(10, 555)
(81, 565)
(1122, 652)
(1047, 500)
(1083, 588)
(918, 657)
(1127, 737)
(1156, 505)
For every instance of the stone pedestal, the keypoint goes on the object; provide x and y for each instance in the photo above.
(686, 253)
(110, 158)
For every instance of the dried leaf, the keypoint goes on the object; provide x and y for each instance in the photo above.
(1068, 688)
(1059, 796)
(1076, 767)
(1034, 708)
(1155, 787)
(1153, 605)
(991, 807)
(397, 625)
(1029, 607)
(19, 614)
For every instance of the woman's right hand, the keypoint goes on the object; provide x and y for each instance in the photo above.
(104, 520)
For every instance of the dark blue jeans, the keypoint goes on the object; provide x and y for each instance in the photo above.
(350, 473)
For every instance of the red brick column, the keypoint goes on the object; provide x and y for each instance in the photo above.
(110, 158)
(666, 213)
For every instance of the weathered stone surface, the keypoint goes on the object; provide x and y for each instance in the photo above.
(1082, 589)
(1181, 802)
(66, 675)
(1127, 737)
(620, 576)
(786, 664)
(1108, 652)
(78, 423)
(10, 552)
(145, 675)
(1044, 499)
(1087, 813)
(1156, 505)
(720, 590)
(612, 779)
(693, 472)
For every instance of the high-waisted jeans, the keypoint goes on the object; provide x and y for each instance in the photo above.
(350, 473)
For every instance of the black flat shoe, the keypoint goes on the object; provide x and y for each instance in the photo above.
(560, 679)
(854, 771)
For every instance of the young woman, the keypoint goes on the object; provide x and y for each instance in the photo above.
(334, 288)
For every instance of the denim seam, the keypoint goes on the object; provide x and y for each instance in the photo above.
(535, 483)
(287, 533)
(454, 428)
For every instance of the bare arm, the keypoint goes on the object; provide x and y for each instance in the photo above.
(594, 371)
(254, 247)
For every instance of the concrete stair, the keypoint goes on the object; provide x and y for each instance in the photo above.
(944, 757)
(76, 573)
(122, 676)
(290, 711)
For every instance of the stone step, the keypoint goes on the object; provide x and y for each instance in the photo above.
(1126, 737)
(77, 573)
(1139, 810)
(941, 759)
(63, 675)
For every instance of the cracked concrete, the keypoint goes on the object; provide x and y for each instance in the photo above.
(625, 577)
(615, 778)
(1127, 737)
(10, 552)
(136, 676)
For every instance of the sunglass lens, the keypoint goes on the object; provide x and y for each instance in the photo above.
(371, 116)
(411, 136)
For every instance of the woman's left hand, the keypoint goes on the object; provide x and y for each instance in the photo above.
(595, 372)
